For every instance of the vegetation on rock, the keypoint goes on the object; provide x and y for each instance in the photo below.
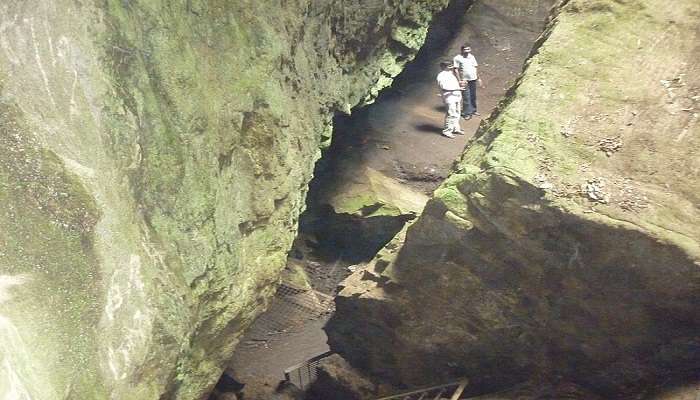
(155, 158)
(566, 243)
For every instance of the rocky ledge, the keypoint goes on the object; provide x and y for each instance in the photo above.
(565, 244)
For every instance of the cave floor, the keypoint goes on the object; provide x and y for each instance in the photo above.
(399, 135)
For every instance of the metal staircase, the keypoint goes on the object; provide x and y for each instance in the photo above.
(450, 391)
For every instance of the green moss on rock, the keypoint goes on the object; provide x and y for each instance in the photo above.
(48, 263)
(549, 255)
(168, 150)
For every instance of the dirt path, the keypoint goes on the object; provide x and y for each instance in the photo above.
(400, 136)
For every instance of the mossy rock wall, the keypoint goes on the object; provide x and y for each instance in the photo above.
(154, 159)
(565, 244)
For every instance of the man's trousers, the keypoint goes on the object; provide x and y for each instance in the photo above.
(464, 104)
(452, 101)
(470, 94)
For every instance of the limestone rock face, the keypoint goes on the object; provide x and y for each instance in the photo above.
(154, 158)
(566, 242)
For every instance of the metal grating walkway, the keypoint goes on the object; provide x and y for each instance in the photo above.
(288, 333)
(290, 308)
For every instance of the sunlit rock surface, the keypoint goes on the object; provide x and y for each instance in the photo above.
(369, 193)
(360, 211)
(565, 244)
(154, 158)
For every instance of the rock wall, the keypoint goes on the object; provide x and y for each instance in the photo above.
(565, 244)
(154, 158)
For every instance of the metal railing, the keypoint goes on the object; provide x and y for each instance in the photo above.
(451, 391)
(304, 374)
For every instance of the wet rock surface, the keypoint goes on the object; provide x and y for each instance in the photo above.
(553, 250)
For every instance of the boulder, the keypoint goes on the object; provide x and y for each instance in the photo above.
(370, 193)
(358, 213)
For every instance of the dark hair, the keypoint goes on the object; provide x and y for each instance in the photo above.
(445, 64)
(465, 46)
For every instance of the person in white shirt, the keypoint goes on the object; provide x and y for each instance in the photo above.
(467, 67)
(452, 96)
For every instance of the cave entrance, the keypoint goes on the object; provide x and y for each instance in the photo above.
(384, 161)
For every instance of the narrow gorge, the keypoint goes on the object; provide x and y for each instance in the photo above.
(193, 188)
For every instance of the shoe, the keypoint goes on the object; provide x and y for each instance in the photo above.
(467, 117)
(459, 132)
(476, 114)
(448, 134)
